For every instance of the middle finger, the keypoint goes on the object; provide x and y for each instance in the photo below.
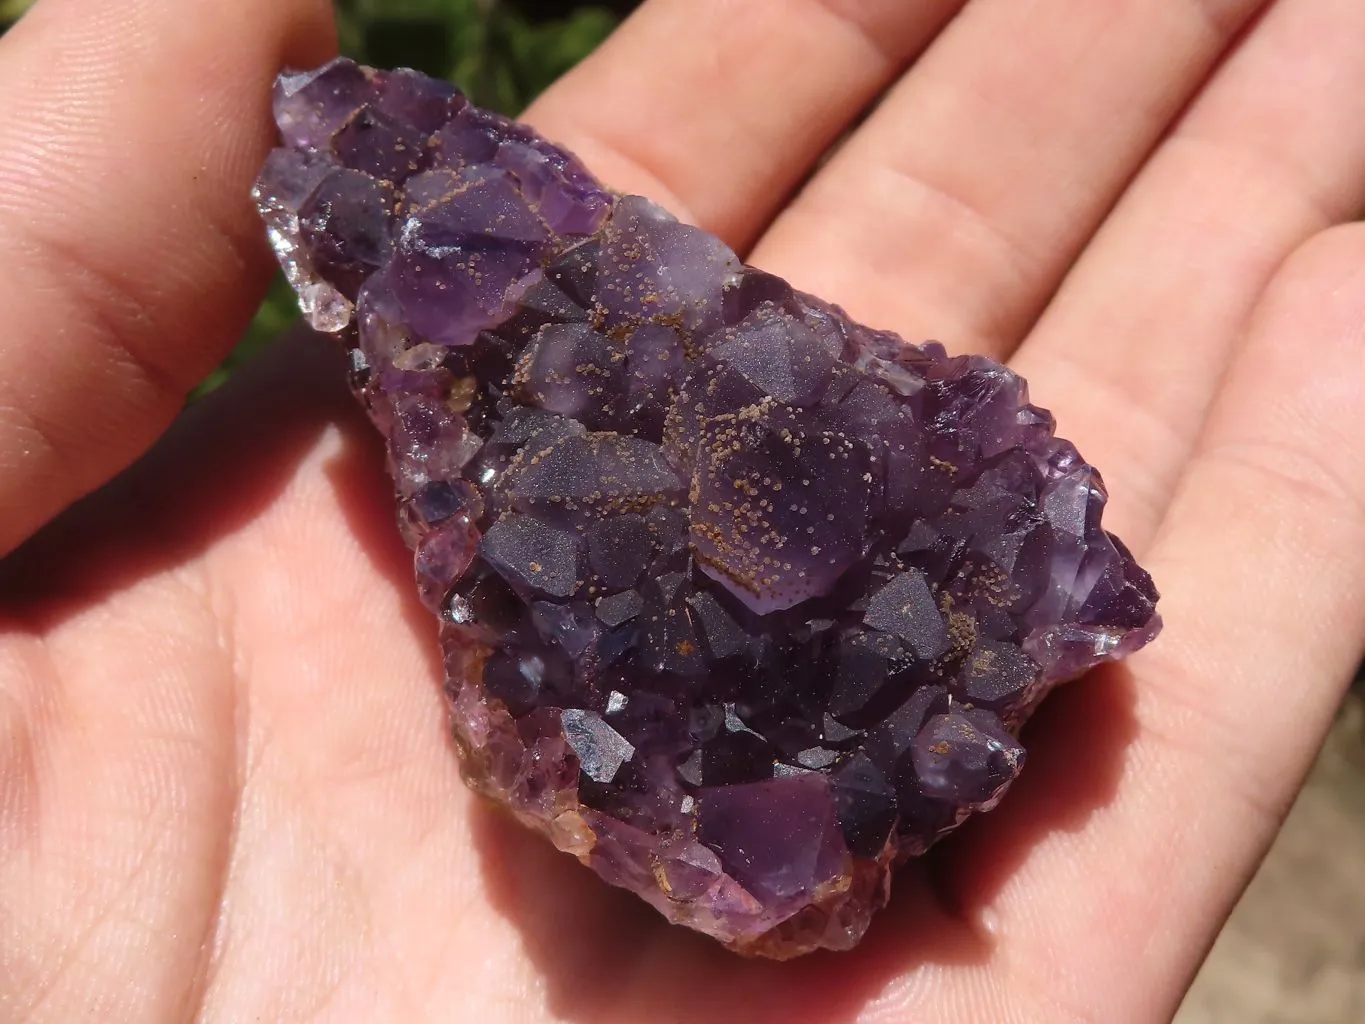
(1132, 349)
(955, 211)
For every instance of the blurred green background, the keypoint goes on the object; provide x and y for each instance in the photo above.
(501, 52)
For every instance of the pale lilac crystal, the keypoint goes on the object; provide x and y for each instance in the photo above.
(741, 603)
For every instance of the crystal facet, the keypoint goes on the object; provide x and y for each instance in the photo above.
(741, 602)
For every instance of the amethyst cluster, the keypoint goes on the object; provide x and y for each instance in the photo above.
(741, 602)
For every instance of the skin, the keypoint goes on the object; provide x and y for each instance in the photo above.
(226, 788)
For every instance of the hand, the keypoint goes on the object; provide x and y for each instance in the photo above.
(226, 787)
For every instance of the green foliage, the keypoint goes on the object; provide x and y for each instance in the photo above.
(10, 11)
(498, 55)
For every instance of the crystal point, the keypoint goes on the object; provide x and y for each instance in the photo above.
(741, 602)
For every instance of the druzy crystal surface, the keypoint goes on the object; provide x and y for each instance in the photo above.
(741, 602)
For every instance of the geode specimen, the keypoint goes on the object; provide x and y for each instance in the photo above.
(741, 602)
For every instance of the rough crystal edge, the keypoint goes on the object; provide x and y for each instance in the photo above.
(820, 925)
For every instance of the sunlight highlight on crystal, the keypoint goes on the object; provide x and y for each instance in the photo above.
(741, 603)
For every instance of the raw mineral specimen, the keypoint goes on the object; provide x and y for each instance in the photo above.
(741, 603)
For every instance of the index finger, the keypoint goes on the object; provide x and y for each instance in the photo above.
(129, 250)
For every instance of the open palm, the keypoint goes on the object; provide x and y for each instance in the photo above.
(226, 788)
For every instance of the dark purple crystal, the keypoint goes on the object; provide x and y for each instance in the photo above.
(741, 602)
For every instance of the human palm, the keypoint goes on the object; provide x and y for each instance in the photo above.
(226, 787)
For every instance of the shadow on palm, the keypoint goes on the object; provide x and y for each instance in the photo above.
(227, 460)
(607, 957)
(603, 955)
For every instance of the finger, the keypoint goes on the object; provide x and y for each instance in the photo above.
(1130, 352)
(956, 210)
(718, 109)
(1262, 565)
(130, 253)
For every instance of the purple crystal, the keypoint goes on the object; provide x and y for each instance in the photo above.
(741, 603)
